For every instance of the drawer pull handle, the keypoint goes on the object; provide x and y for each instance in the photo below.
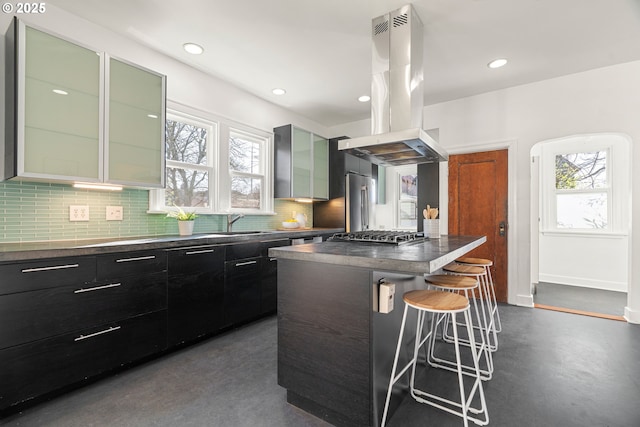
(106, 331)
(55, 267)
(246, 263)
(273, 259)
(97, 288)
(204, 251)
(140, 258)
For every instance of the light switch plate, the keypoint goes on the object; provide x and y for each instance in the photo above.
(114, 213)
(78, 213)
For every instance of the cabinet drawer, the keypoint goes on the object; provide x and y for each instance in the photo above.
(243, 250)
(47, 273)
(29, 316)
(130, 263)
(36, 368)
(195, 259)
(273, 244)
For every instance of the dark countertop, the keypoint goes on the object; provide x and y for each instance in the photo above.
(422, 257)
(68, 248)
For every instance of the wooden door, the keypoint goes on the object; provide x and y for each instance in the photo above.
(478, 207)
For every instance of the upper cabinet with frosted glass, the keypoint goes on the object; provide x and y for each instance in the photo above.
(301, 164)
(63, 122)
(136, 117)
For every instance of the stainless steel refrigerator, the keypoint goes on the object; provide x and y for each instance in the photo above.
(360, 202)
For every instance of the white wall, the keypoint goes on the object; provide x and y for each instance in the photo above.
(602, 100)
(598, 259)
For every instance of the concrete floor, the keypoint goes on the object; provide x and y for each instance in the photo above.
(579, 298)
(552, 369)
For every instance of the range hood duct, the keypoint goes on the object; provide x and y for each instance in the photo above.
(397, 98)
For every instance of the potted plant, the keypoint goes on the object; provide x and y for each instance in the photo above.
(185, 220)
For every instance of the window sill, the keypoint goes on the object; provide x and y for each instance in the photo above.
(263, 213)
(584, 233)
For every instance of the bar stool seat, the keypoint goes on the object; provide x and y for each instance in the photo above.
(455, 283)
(486, 264)
(433, 301)
(479, 273)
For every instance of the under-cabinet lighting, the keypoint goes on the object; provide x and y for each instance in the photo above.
(497, 63)
(303, 200)
(192, 48)
(60, 92)
(90, 186)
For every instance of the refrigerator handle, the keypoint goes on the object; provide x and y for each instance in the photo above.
(364, 207)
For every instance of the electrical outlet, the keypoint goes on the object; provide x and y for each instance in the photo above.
(114, 213)
(78, 213)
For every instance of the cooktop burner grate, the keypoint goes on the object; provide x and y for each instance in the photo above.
(379, 236)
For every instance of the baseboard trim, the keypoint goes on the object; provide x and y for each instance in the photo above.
(582, 312)
(632, 316)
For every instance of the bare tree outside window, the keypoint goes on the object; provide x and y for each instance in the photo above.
(187, 185)
(246, 174)
(582, 190)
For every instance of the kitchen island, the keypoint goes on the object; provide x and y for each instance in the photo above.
(335, 349)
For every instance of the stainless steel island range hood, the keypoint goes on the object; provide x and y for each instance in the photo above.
(396, 96)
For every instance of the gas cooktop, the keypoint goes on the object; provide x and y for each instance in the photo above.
(379, 236)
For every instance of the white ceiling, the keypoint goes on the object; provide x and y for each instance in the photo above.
(320, 50)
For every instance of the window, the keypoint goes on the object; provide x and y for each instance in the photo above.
(582, 190)
(215, 166)
(408, 201)
(190, 173)
(584, 182)
(246, 169)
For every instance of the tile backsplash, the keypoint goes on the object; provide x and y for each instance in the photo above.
(31, 211)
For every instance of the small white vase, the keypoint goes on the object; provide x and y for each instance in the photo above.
(185, 227)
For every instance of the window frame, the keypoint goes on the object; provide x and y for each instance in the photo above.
(614, 189)
(266, 162)
(218, 163)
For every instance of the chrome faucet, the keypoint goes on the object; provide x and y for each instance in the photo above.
(231, 219)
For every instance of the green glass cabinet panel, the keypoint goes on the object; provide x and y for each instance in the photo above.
(136, 125)
(60, 108)
(320, 168)
(301, 152)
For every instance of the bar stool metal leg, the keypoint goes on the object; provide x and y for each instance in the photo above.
(439, 302)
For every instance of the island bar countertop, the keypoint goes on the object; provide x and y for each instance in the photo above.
(421, 257)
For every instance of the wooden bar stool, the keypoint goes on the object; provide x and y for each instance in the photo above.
(454, 283)
(486, 303)
(439, 302)
(486, 264)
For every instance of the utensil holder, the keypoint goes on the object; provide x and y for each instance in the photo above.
(432, 228)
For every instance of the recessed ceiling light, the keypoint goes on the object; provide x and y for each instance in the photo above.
(192, 48)
(278, 91)
(364, 98)
(60, 92)
(497, 63)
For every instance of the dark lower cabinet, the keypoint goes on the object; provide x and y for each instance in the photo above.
(31, 316)
(39, 367)
(241, 290)
(65, 320)
(268, 285)
(269, 277)
(106, 311)
(196, 292)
